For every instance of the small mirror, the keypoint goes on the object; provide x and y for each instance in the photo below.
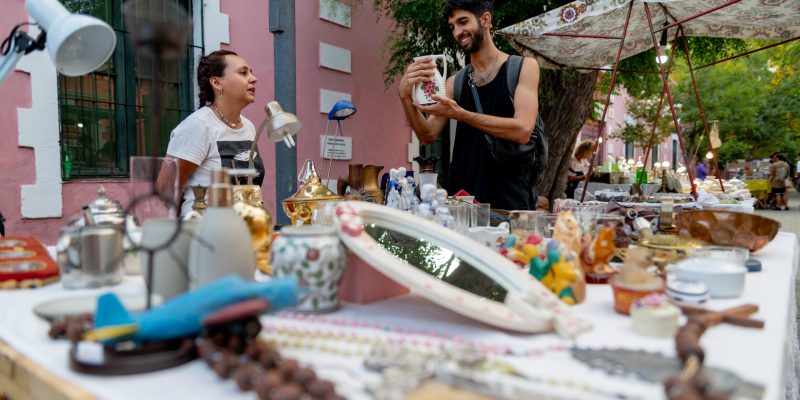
(452, 270)
(439, 262)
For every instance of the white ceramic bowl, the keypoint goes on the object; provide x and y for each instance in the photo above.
(724, 279)
(737, 255)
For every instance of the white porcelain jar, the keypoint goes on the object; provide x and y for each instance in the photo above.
(315, 256)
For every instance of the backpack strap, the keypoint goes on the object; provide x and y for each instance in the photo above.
(458, 83)
(512, 73)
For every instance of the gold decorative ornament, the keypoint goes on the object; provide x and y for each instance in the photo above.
(300, 207)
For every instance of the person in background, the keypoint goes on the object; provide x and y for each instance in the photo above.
(797, 176)
(778, 172)
(578, 166)
(702, 170)
(217, 134)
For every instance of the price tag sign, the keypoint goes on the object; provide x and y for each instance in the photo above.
(336, 147)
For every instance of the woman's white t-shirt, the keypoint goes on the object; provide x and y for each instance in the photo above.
(576, 166)
(204, 140)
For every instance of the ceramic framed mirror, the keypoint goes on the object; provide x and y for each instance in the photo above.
(452, 270)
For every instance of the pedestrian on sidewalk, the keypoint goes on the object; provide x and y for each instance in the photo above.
(778, 175)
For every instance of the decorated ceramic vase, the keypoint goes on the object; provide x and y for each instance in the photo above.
(315, 256)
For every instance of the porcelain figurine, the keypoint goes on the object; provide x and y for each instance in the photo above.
(552, 264)
(634, 280)
(596, 256)
(568, 232)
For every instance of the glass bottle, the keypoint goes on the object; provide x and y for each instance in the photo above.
(66, 166)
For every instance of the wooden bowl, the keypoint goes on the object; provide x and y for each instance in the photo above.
(727, 228)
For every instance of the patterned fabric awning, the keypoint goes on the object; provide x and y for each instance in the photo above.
(746, 19)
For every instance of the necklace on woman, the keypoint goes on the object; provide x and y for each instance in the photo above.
(224, 119)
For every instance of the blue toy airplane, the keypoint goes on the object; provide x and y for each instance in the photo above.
(187, 314)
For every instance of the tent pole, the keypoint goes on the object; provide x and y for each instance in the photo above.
(746, 53)
(619, 71)
(700, 106)
(669, 98)
(578, 35)
(660, 105)
(608, 101)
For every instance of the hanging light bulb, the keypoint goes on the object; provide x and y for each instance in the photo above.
(665, 164)
(663, 46)
(656, 165)
(631, 162)
(709, 155)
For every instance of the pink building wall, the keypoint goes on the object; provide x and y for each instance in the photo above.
(379, 131)
(615, 120)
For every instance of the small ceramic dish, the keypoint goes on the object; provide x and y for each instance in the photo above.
(723, 278)
(78, 305)
(691, 292)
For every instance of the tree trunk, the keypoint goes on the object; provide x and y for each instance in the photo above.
(563, 113)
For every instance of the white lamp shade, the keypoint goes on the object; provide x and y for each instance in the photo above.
(77, 43)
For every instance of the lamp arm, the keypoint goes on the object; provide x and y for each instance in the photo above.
(253, 149)
(8, 62)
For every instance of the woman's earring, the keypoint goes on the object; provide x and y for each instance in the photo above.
(220, 92)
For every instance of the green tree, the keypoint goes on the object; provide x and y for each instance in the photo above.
(756, 100)
(643, 112)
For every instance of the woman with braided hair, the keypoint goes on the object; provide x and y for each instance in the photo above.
(217, 134)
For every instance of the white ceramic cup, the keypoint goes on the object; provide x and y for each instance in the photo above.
(170, 265)
(723, 278)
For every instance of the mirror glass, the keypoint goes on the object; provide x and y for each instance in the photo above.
(435, 260)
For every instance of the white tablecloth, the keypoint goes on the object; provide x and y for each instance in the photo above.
(768, 356)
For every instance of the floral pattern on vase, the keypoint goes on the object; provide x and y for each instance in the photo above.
(316, 257)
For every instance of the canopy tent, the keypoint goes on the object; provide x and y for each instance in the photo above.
(586, 33)
(590, 34)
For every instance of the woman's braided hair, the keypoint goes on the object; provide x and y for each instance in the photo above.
(210, 66)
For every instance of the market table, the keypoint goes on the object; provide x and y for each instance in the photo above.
(335, 344)
(648, 188)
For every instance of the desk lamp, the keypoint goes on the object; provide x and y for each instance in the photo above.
(281, 125)
(77, 43)
(343, 109)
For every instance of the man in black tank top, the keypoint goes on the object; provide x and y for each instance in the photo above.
(505, 115)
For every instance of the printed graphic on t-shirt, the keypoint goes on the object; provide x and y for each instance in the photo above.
(235, 154)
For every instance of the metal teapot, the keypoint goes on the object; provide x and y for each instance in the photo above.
(104, 210)
(90, 250)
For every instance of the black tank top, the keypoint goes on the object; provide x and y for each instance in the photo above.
(472, 167)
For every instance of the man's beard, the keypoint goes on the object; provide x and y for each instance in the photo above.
(475, 45)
